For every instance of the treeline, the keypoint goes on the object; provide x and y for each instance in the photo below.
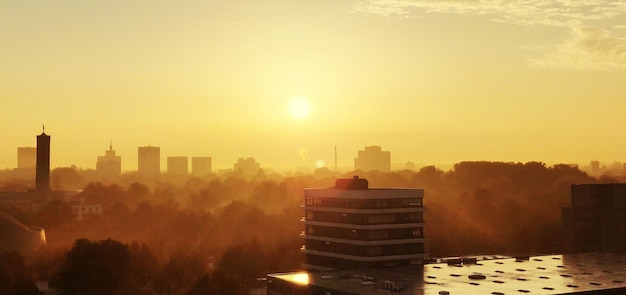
(250, 227)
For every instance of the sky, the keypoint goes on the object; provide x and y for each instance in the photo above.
(434, 82)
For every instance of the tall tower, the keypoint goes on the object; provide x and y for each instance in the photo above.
(42, 174)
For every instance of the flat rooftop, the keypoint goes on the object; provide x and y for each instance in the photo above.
(550, 274)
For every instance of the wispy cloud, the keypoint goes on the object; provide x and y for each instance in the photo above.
(587, 48)
(590, 46)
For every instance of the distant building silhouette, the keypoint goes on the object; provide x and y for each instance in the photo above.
(200, 166)
(109, 165)
(42, 174)
(596, 221)
(354, 226)
(248, 167)
(177, 166)
(26, 157)
(26, 162)
(149, 161)
(373, 158)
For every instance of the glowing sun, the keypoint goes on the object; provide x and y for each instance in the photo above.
(299, 107)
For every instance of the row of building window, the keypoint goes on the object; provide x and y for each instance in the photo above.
(356, 218)
(344, 263)
(365, 251)
(363, 203)
(365, 235)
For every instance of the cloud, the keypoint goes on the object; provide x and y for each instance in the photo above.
(589, 46)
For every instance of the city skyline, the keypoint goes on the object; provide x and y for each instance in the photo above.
(433, 82)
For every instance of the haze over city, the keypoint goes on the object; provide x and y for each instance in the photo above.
(431, 81)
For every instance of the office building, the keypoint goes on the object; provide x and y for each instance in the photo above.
(596, 221)
(42, 173)
(149, 161)
(373, 158)
(26, 157)
(177, 166)
(588, 273)
(354, 226)
(109, 165)
(247, 167)
(200, 166)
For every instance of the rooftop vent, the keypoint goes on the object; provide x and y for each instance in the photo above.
(354, 183)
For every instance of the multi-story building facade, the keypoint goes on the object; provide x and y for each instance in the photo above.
(373, 158)
(596, 221)
(354, 226)
(200, 166)
(149, 161)
(109, 165)
(177, 166)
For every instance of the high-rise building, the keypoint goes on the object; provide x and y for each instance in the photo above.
(247, 167)
(42, 174)
(596, 221)
(200, 166)
(109, 165)
(354, 226)
(177, 165)
(373, 158)
(26, 157)
(149, 161)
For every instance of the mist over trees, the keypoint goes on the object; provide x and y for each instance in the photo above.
(188, 234)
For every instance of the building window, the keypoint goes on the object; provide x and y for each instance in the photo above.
(309, 230)
(309, 201)
(309, 215)
(418, 232)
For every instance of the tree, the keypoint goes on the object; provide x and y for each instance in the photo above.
(91, 267)
(14, 276)
(218, 282)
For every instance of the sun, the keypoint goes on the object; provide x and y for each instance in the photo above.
(299, 107)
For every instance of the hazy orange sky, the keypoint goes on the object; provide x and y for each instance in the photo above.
(432, 81)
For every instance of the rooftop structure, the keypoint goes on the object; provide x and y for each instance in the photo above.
(18, 237)
(373, 158)
(589, 273)
(354, 226)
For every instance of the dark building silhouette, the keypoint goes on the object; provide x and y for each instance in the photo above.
(42, 174)
(354, 226)
(596, 221)
(373, 158)
(149, 161)
(109, 165)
